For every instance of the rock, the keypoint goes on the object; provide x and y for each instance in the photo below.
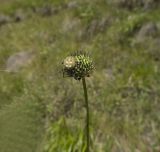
(104, 23)
(92, 28)
(46, 10)
(19, 60)
(19, 16)
(129, 4)
(149, 4)
(72, 5)
(132, 4)
(96, 26)
(70, 24)
(154, 49)
(148, 30)
(4, 19)
(108, 73)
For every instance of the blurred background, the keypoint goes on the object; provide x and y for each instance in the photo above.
(40, 111)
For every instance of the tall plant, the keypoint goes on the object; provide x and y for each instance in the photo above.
(79, 65)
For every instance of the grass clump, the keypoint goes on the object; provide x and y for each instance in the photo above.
(21, 126)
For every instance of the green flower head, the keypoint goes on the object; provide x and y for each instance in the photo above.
(78, 65)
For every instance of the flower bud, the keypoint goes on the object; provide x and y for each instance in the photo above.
(78, 66)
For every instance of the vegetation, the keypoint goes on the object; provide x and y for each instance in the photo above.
(42, 112)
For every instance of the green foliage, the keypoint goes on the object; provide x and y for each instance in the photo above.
(132, 23)
(123, 91)
(8, 89)
(87, 12)
(10, 7)
(62, 138)
(21, 126)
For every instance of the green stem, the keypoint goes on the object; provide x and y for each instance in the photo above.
(87, 113)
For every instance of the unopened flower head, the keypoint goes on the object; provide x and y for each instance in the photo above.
(78, 65)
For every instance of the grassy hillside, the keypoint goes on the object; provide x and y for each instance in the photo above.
(40, 111)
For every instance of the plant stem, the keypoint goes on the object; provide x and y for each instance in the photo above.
(87, 113)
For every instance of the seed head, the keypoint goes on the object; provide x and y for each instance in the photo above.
(78, 65)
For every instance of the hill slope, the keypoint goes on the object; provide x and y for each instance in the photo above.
(123, 39)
